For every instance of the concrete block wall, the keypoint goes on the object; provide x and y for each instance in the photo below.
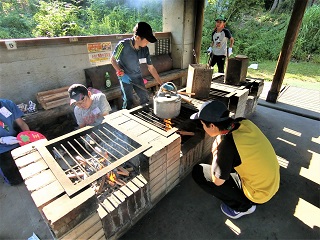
(41, 64)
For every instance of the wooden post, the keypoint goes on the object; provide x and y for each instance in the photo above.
(198, 28)
(285, 54)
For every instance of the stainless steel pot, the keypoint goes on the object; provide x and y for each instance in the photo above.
(167, 104)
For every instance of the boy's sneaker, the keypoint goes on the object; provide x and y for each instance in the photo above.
(234, 214)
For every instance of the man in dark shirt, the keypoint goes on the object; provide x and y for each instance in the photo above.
(126, 59)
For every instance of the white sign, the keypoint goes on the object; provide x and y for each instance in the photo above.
(11, 45)
(99, 58)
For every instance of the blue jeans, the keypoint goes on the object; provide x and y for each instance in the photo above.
(127, 93)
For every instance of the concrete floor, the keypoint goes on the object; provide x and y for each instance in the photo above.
(189, 213)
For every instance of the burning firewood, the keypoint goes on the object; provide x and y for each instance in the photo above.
(122, 171)
(103, 180)
(111, 183)
(113, 178)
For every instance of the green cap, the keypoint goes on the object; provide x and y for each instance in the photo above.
(221, 18)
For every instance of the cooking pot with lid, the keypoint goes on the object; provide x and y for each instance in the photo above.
(167, 104)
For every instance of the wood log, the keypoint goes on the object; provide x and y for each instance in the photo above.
(103, 180)
(122, 171)
(185, 93)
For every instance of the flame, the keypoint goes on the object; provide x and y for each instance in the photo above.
(168, 124)
(112, 177)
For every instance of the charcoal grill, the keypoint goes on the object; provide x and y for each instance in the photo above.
(159, 125)
(87, 155)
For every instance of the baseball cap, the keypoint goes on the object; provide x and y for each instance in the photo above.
(221, 18)
(77, 92)
(212, 111)
(144, 30)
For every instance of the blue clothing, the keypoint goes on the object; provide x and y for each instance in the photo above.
(7, 123)
(129, 59)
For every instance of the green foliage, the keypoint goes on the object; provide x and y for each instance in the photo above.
(309, 36)
(110, 17)
(55, 19)
(261, 37)
(259, 34)
(16, 19)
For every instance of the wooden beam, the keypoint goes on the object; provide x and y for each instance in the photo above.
(288, 44)
(200, 5)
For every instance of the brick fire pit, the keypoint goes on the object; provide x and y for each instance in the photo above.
(81, 212)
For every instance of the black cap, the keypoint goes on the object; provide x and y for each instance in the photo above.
(144, 30)
(77, 92)
(214, 111)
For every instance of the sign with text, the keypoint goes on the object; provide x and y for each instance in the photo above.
(99, 53)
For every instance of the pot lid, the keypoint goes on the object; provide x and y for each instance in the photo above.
(167, 97)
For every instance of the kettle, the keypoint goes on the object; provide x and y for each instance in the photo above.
(167, 104)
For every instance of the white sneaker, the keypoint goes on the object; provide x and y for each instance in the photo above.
(234, 214)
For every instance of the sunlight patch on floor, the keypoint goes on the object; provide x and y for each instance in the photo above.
(282, 162)
(307, 213)
(233, 227)
(312, 173)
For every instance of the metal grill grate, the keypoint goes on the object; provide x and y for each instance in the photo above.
(151, 118)
(78, 159)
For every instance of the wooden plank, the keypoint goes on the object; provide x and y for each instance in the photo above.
(27, 159)
(33, 168)
(47, 194)
(51, 97)
(56, 103)
(57, 90)
(56, 211)
(98, 235)
(44, 178)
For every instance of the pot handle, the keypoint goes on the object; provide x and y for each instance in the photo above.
(174, 86)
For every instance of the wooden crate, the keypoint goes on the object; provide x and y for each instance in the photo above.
(53, 98)
(199, 80)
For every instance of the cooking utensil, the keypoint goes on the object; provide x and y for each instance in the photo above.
(166, 104)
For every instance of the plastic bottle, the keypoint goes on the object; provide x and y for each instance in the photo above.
(108, 81)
